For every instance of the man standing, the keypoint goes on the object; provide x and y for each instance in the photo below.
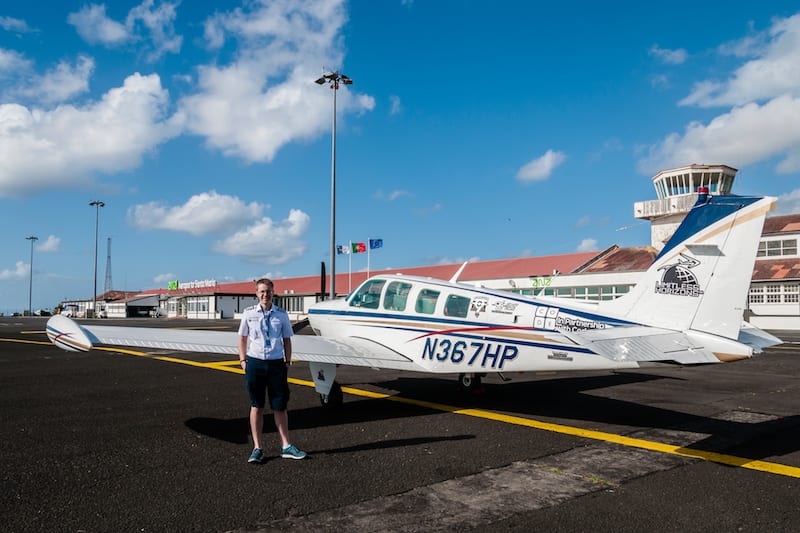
(265, 353)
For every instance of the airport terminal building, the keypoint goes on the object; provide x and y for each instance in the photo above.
(773, 303)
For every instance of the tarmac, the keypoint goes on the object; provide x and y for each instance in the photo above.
(122, 439)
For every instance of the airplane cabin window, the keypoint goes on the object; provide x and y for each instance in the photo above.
(426, 301)
(368, 295)
(456, 306)
(396, 296)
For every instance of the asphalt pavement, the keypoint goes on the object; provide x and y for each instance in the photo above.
(146, 440)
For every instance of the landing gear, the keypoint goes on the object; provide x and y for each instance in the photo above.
(334, 399)
(470, 383)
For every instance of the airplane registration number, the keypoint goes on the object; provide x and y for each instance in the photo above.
(484, 354)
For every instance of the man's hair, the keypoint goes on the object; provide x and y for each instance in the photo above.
(265, 281)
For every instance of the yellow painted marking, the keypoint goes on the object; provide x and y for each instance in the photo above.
(730, 460)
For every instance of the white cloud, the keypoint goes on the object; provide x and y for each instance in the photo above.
(202, 214)
(63, 82)
(66, 146)
(50, 244)
(95, 27)
(745, 135)
(671, 57)
(20, 272)
(541, 168)
(788, 203)
(14, 25)
(772, 73)
(587, 245)
(395, 106)
(163, 278)
(13, 64)
(392, 196)
(268, 242)
(267, 98)
(148, 23)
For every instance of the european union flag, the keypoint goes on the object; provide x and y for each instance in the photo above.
(375, 243)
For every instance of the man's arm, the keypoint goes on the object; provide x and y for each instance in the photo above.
(242, 350)
(287, 350)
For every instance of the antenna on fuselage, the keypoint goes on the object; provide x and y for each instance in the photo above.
(454, 279)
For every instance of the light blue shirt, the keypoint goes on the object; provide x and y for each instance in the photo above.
(265, 331)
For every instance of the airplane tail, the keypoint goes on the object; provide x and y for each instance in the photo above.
(700, 280)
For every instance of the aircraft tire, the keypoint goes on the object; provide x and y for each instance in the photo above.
(334, 399)
(469, 382)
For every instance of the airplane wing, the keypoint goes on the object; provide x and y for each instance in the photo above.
(68, 335)
(644, 344)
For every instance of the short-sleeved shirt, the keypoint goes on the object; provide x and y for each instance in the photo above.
(265, 331)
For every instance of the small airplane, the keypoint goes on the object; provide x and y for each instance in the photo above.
(687, 309)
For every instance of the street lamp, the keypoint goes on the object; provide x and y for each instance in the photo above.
(33, 239)
(97, 204)
(333, 79)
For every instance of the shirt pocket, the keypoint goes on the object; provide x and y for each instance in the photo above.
(254, 327)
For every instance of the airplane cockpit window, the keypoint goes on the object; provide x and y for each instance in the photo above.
(457, 306)
(426, 301)
(396, 295)
(368, 295)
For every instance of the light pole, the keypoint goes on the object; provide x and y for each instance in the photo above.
(333, 79)
(97, 204)
(33, 239)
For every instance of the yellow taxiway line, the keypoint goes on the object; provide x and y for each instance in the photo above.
(730, 460)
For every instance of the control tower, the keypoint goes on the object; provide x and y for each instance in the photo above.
(676, 189)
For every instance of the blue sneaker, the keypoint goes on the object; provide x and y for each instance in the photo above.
(257, 456)
(291, 452)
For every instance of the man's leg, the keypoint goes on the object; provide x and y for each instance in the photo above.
(282, 423)
(256, 425)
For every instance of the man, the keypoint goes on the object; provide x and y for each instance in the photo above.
(265, 353)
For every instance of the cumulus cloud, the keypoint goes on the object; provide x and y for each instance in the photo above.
(745, 135)
(66, 146)
(788, 203)
(265, 98)
(19, 272)
(95, 27)
(671, 57)
(770, 73)
(540, 169)
(587, 245)
(14, 25)
(146, 23)
(50, 244)
(763, 96)
(202, 214)
(268, 242)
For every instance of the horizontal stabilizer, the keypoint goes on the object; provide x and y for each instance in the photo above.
(757, 339)
(643, 344)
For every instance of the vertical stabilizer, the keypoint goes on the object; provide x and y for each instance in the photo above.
(701, 278)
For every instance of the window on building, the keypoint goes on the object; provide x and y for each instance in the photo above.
(791, 293)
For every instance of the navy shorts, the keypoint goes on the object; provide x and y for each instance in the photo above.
(270, 377)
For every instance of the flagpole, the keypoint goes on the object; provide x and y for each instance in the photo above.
(350, 269)
(369, 245)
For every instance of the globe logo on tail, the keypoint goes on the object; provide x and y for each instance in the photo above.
(678, 279)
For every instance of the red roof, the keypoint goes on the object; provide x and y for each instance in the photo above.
(781, 224)
(776, 269)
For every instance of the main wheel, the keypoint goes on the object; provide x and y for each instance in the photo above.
(334, 398)
(469, 382)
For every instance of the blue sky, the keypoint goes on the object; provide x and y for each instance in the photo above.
(473, 130)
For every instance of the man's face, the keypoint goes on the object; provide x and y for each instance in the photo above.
(264, 294)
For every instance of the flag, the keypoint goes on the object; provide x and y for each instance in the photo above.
(375, 243)
(359, 247)
(342, 249)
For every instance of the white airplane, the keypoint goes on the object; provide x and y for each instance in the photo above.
(687, 309)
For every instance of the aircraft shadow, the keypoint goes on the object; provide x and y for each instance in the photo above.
(559, 400)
